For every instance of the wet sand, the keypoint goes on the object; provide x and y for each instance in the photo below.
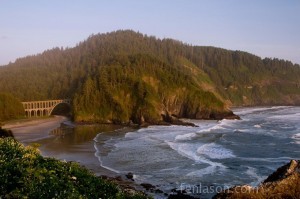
(29, 131)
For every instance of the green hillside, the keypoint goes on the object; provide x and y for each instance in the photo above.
(126, 76)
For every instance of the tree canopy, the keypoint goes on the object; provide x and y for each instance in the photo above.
(10, 107)
(125, 75)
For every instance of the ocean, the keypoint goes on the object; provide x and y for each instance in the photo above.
(209, 158)
(199, 160)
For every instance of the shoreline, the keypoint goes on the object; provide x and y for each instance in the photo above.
(83, 152)
(38, 130)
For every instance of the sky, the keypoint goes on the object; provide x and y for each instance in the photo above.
(267, 28)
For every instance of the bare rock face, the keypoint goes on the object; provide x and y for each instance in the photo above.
(224, 115)
(283, 183)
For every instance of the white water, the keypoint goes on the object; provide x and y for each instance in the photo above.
(226, 152)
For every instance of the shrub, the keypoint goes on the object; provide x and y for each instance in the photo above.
(24, 173)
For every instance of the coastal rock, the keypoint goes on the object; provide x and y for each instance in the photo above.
(126, 186)
(148, 186)
(224, 115)
(174, 120)
(5, 133)
(283, 183)
(180, 195)
(129, 176)
(283, 172)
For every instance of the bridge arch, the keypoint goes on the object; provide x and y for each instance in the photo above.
(32, 113)
(60, 104)
(43, 108)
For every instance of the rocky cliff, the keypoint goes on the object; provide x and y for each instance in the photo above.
(283, 183)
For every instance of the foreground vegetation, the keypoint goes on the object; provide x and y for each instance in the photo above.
(24, 173)
(126, 76)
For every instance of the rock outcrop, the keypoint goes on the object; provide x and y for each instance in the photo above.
(283, 183)
(5, 133)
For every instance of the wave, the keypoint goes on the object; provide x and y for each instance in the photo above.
(296, 137)
(185, 150)
(296, 142)
(98, 156)
(252, 172)
(185, 137)
(205, 171)
(268, 159)
(190, 151)
(288, 116)
(227, 122)
(241, 131)
(131, 134)
(216, 127)
(245, 111)
(215, 151)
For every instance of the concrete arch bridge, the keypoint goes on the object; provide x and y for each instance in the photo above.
(42, 108)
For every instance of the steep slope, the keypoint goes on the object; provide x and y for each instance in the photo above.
(246, 79)
(145, 89)
(124, 75)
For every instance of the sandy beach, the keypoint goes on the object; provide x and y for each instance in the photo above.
(29, 131)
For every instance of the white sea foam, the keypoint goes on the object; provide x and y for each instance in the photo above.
(97, 155)
(214, 128)
(241, 130)
(288, 116)
(185, 149)
(252, 172)
(210, 170)
(190, 151)
(215, 151)
(130, 134)
(296, 138)
(245, 111)
(268, 159)
(184, 137)
(297, 142)
(225, 124)
(206, 171)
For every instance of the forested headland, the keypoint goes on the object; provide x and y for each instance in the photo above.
(126, 76)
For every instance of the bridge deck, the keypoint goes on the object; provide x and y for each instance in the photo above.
(42, 108)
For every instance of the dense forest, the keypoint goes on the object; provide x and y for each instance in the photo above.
(10, 107)
(126, 76)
